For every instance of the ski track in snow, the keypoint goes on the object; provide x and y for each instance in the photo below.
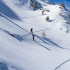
(44, 40)
(61, 64)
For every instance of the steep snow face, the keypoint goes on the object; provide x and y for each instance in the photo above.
(32, 4)
(4, 9)
(48, 52)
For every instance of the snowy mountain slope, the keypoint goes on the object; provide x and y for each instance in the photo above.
(66, 2)
(51, 52)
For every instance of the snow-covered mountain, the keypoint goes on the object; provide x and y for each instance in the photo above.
(66, 2)
(51, 27)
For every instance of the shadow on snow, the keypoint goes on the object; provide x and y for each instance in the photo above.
(3, 66)
(18, 37)
(4, 9)
(45, 40)
(43, 46)
(53, 43)
(12, 22)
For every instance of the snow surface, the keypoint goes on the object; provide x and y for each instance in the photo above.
(51, 52)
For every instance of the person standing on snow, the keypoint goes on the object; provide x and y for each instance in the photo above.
(31, 32)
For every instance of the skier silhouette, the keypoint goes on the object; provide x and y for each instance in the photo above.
(31, 31)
